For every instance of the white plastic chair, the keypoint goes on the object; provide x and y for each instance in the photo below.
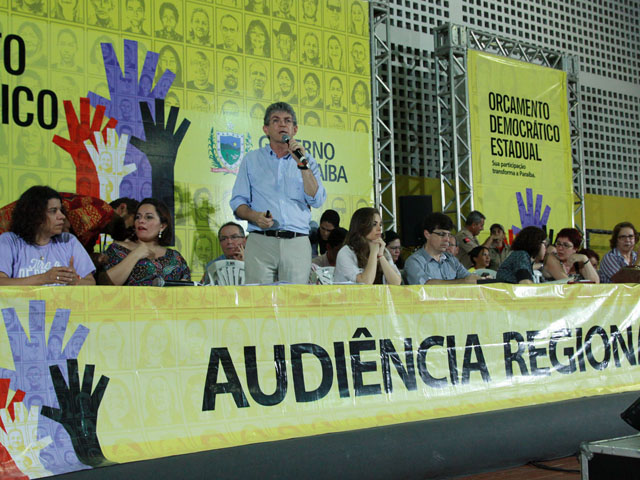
(226, 272)
(321, 275)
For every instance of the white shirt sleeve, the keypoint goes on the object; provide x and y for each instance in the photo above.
(346, 266)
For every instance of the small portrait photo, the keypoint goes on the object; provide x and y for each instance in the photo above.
(258, 79)
(359, 18)
(229, 74)
(284, 41)
(104, 14)
(310, 53)
(310, 12)
(35, 43)
(334, 52)
(336, 121)
(169, 20)
(199, 25)
(257, 6)
(169, 58)
(257, 111)
(360, 124)
(173, 99)
(25, 179)
(68, 45)
(135, 17)
(32, 7)
(285, 9)
(229, 31)
(311, 118)
(311, 89)
(231, 110)
(257, 38)
(202, 206)
(200, 102)
(360, 101)
(359, 63)
(29, 144)
(97, 62)
(334, 17)
(336, 93)
(284, 85)
(68, 10)
(203, 246)
(200, 71)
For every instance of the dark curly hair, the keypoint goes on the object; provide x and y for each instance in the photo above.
(165, 217)
(613, 241)
(30, 212)
(529, 239)
(360, 226)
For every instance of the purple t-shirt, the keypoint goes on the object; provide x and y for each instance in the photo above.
(18, 259)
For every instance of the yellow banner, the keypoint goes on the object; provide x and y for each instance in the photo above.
(521, 150)
(170, 371)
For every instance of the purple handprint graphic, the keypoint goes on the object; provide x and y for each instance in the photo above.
(127, 91)
(528, 216)
(33, 354)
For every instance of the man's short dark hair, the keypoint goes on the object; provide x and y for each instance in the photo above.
(474, 217)
(336, 237)
(131, 204)
(437, 220)
(238, 226)
(331, 216)
(169, 6)
(279, 107)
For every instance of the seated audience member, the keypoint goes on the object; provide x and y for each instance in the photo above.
(232, 240)
(392, 239)
(125, 208)
(364, 258)
(334, 244)
(528, 248)
(498, 248)
(36, 251)
(564, 260)
(480, 258)
(453, 246)
(141, 259)
(593, 256)
(622, 241)
(468, 237)
(432, 265)
(329, 221)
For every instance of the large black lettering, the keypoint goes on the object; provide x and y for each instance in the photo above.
(302, 394)
(253, 382)
(221, 356)
(407, 374)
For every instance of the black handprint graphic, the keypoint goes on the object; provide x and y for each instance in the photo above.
(78, 412)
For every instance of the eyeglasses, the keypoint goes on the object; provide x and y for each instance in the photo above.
(564, 244)
(231, 237)
(394, 248)
(443, 234)
(626, 237)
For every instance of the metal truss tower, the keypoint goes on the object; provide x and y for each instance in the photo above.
(454, 143)
(384, 176)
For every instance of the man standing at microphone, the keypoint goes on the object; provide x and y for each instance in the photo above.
(274, 191)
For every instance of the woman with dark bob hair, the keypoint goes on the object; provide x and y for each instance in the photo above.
(144, 257)
(364, 258)
(36, 251)
(622, 241)
(528, 247)
(564, 260)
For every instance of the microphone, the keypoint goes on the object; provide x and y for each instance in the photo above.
(161, 282)
(297, 152)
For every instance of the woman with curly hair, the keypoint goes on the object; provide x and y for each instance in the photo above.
(36, 251)
(364, 258)
(141, 259)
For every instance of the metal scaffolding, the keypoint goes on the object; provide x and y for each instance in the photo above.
(384, 176)
(454, 144)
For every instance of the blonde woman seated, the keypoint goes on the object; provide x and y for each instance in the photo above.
(364, 258)
(143, 258)
(564, 261)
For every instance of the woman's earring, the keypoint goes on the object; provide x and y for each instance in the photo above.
(160, 234)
